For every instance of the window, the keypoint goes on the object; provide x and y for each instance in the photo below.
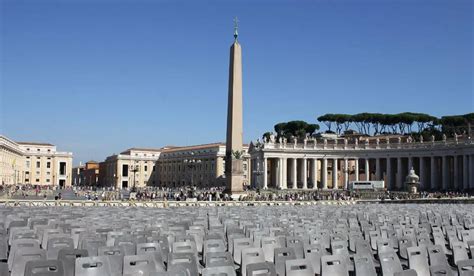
(37, 172)
(27, 180)
(38, 149)
(28, 149)
(47, 180)
(124, 170)
(49, 150)
(27, 173)
(245, 167)
(48, 165)
(38, 164)
(48, 173)
(27, 163)
(146, 168)
(153, 167)
(62, 168)
(37, 180)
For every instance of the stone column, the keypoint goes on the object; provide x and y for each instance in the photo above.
(389, 185)
(399, 173)
(433, 173)
(324, 175)
(356, 169)
(456, 181)
(294, 173)
(378, 169)
(275, 166)
(346, 173)
(280, 173)
(410, 163)
(445, 172)
(367, 169)
(284, 184)
(422, 173)
(265, 176)
(471, 172)
(305, 173)
(313, 173)
(465, 172)
(334, 173)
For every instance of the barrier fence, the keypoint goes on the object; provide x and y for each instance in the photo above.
(166, 204)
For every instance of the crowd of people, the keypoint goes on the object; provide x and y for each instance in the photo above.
(26, 191)
(207, 194)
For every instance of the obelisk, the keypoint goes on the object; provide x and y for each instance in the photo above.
(234, 149)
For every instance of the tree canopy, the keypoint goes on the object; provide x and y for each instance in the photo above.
(402, 123)
(297, 129)
(379, 123)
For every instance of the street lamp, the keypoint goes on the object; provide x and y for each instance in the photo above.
(134, 169)
(191, 164)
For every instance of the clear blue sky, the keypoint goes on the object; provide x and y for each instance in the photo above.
(97, 77)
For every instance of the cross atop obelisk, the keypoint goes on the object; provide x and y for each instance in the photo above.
(234, 149)
(236, 28)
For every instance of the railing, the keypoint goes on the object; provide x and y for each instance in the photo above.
(311, 144)
(174, 204)
(163, 204)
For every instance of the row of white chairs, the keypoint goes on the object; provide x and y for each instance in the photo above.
(273, 240)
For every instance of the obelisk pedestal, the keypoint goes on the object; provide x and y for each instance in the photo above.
(234, 148)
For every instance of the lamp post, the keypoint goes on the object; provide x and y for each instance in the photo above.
(191, 164)
(134, 169)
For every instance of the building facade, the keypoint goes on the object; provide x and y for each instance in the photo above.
(331, 164)
(90, 174)
(34, 163)
(199, 165)
(134, 167)
(77, 179)
(11, 162)
(86, 175)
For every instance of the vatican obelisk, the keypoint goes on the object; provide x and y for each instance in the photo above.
(234, 149)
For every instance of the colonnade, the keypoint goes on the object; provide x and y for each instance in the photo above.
(436, 172)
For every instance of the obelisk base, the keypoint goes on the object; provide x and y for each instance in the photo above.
(235, 176)
(234, 184)
(235, 187)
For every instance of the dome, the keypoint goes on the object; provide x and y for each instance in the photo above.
(412, 177)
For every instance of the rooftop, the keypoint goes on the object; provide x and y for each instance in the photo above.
(142, 149)
(197, 147)
(35, 144)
